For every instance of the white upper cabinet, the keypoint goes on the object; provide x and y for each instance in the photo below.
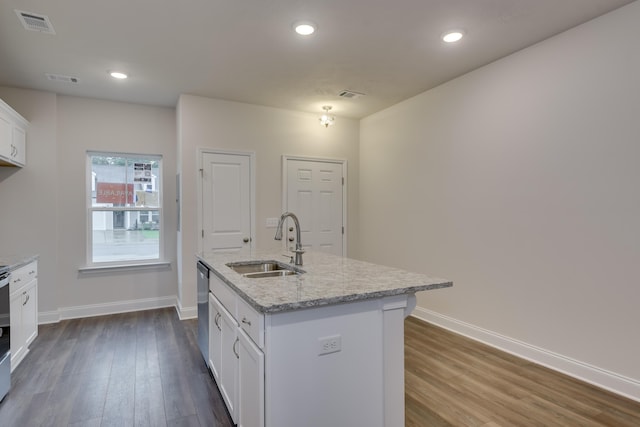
(13, 137)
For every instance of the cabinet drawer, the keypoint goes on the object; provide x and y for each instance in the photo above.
(251, 322)
(23, 275)
(223, 292)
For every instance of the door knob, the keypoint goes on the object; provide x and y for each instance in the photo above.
(291, 238)
(246, 240)
(290, 228)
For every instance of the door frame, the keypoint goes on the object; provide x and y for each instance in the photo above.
(285, 182)
(252, 181)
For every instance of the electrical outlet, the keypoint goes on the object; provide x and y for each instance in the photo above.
(272, 222)
(330, 344)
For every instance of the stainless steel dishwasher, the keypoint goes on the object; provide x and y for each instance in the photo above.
(203, 310)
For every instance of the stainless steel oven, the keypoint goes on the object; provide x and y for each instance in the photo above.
(5, 334)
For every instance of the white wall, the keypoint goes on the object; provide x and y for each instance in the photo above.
(89, 124)
(270, 133)
(519, 181)
(44, 206)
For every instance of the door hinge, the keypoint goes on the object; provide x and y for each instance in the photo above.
(201, 171)
(343, 229)
(343, 180)
(202, 233)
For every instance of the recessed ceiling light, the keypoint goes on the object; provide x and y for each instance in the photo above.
(452, 36)
(304, 28)
(118, 75)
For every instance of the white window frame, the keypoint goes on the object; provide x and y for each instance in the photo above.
(91, 186)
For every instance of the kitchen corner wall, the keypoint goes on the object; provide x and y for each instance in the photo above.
(28, 224)
(270, 133)
(44, 209)
(519, 181)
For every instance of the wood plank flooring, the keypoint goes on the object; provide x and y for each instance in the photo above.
(451, 380)
(141, 369)
(145, 369)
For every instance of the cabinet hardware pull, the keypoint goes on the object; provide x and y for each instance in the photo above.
(245, 321)
(215, 320)
(26, 300)
(234, 348)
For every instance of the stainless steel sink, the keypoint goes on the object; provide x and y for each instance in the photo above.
(276, 273)
(261, 269)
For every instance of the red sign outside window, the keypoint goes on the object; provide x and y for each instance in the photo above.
(111, 192)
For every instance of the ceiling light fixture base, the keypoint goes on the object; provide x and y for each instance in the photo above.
(326, 120)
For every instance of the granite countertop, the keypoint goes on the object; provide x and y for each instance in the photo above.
(11, 262)
(328, 279)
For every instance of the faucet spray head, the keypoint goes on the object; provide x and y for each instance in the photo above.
(278, 235)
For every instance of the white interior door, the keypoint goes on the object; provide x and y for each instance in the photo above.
(315, 190)
(226, 202)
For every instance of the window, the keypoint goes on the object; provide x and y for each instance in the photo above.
(124, 208)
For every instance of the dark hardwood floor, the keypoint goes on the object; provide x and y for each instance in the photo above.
(140, 369)
(145, 369)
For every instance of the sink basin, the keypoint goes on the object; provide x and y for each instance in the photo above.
(255, 267)
(261, 269)
(275, 273)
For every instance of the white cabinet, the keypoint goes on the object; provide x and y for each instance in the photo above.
(236, 361)
(215, 337)
(23, 296)
(13, 136)
(228, 383)
(30, 313)
(251, 383)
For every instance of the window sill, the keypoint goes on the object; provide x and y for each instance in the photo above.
(124, 267)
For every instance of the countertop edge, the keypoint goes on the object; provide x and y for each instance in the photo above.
(345, 299)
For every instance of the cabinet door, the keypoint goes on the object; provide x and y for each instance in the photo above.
(215, 337)
(228, 383)
(17, 339)
(30, 312)
(251, 383)
(5, 137)
(18, 145)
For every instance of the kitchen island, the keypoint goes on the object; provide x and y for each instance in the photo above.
(319, 348)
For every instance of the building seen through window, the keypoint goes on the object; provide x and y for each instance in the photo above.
(124, 208)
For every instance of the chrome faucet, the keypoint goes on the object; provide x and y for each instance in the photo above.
(278, 235)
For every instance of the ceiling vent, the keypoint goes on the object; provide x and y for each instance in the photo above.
(350, 94)
(34, 22)
(62, 78)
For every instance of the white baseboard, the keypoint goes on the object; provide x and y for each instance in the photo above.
(104, 309)
(185, 313)
(602, 378)
(48, 317)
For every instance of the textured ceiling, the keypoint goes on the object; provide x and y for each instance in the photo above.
(245, 50)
